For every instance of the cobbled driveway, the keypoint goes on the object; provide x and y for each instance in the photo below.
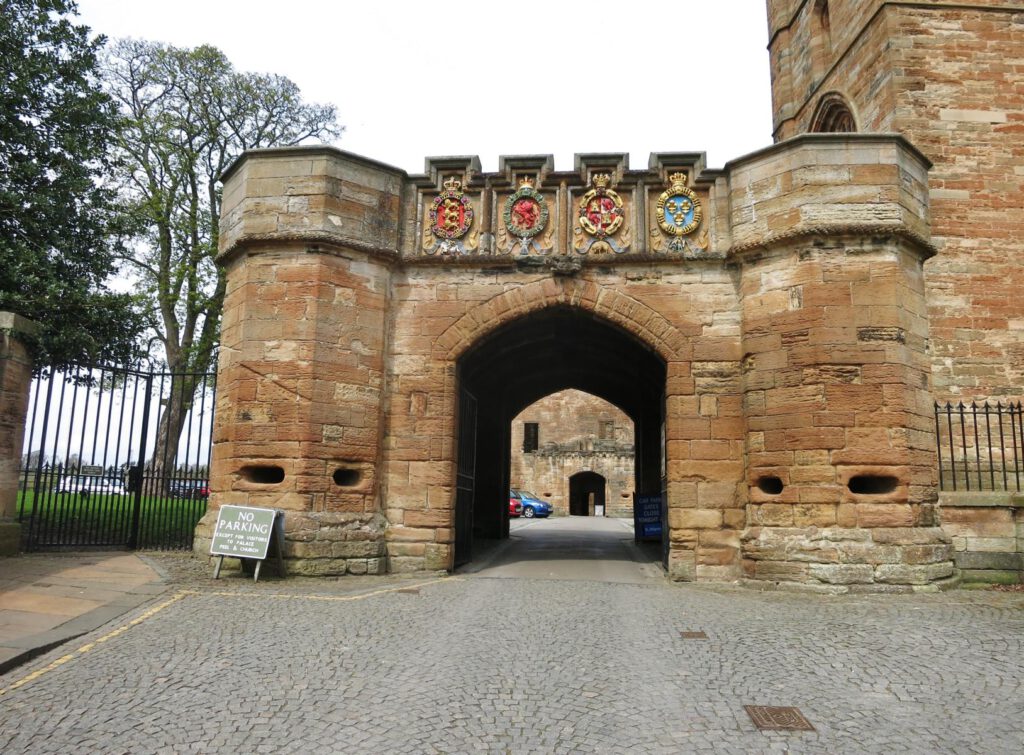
(489, 663)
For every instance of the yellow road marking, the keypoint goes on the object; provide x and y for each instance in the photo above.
(89, 646)
(185, 593)
(360, 596)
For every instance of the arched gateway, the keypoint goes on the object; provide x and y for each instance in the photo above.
(762, 325)
(587, 494)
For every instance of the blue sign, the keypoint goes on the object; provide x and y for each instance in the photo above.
(647, 517)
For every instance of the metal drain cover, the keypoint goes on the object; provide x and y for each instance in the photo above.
(777, 718)
(693, 635)
(410, 591)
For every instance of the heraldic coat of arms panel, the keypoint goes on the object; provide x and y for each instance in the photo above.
(601, 210)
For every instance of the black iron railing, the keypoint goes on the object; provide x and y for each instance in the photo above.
(980, 446)
(115, 457)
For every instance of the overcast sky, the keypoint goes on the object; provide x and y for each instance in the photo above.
(413, 79)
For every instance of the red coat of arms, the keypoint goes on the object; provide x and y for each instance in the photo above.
(451, 215)
(601, 212)
(525, 215)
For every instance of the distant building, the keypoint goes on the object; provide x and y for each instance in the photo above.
(576, 451)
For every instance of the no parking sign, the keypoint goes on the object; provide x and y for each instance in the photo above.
(245, 532)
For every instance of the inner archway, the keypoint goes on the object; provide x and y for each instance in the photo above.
(587, 494)
(569, 432)
(536, 355)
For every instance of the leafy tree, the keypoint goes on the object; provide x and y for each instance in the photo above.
(187, 115)
(58, 221)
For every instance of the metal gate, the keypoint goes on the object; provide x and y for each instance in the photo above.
(115, 457)
(466, 479)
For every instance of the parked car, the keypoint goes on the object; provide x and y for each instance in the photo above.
(532, 505)
(515, 506)
(189, 488)
(86, 485)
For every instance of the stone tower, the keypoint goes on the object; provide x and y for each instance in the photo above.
(947, 77)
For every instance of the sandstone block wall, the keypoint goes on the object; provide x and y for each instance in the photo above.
(791, 327)
(945, 75)
(840, 453)
(303, 342)
(987, 531)
(15, 382)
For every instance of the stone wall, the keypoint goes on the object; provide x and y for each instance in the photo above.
(840, 454)
(303, 341)
(789, 328)
(15, 383)
(578, 432)
(987, 530)
(945, 76)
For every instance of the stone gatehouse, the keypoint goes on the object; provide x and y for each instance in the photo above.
(765, 326)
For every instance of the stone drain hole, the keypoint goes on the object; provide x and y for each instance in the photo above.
(263, 475)
(346, 478)
(770, 484)
(869, 484)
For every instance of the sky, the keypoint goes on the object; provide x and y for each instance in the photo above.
(417, 79)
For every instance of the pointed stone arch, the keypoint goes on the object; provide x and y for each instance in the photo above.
(671, 342)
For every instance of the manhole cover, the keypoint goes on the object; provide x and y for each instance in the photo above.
(693, 635)
(777, 718)
(410, 591)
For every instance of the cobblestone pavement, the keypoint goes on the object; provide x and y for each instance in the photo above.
(477, 663)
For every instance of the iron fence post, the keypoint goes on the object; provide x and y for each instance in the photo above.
(133, 535)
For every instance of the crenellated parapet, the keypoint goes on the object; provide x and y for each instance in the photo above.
(599, 210)
(310, 195)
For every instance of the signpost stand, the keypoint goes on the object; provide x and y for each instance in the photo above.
(247, 533)
(647, 521)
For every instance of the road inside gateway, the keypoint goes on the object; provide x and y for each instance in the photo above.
(599, 549)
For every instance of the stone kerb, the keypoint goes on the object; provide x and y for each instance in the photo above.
(15, 382)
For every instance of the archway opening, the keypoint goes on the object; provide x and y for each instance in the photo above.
(532, 357)
(566, 433)
(587, 492)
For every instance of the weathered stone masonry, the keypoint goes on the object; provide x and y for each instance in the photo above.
(792, 329)
(946, 75)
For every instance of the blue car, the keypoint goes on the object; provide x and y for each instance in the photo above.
(532, 505)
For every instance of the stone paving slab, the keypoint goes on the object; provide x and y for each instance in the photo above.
(497, 665)
(47, 599)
